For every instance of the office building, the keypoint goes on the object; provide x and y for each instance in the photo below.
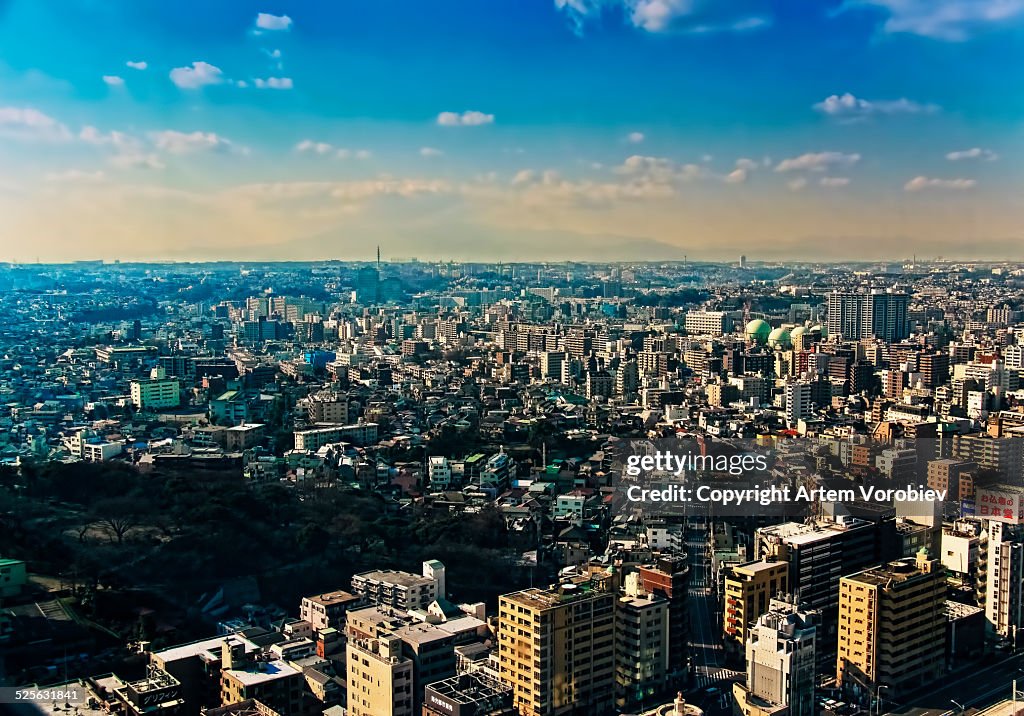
(551, 363)
(439, 473)
(817, 555)
(157, 392)
(707, 323)
(258, 675)
(780, 658)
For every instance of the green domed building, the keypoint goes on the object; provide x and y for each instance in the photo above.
(757, 331)
(780, 338)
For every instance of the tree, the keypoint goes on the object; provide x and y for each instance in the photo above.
(117, 516)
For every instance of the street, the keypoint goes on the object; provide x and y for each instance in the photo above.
(706, 647)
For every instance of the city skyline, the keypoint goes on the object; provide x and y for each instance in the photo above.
(536, 130)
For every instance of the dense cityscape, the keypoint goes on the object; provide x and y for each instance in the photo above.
(391, 487)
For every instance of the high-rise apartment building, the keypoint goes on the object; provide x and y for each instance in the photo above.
(892, 621)
(641, 644)
(402, 590)
(798, 405)
(1003, 455)
(327, 407)
(556, 649)
(1004, 581)
(379, 678)
(877, 313)
(599, 384)
(669, 577)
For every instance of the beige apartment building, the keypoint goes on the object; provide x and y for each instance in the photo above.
(556, 648)
(380, 679)
(749, 589)
(892, 627)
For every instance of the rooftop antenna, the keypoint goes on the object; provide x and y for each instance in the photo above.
(378, 257)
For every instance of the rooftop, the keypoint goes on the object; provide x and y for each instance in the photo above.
(391, 576)
(205, 647)
(328, 599)
(537, 598)
(262, 672)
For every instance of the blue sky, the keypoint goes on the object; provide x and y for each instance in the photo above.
(502, 129)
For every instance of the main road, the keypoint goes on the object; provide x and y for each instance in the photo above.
(705, 627)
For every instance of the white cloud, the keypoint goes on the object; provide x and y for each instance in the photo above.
(266, 21)
(349, 192)
(137, 160)
(129, 152)
(834, 181)
(139, 65)
(973, 153)
(747, 164)
(817, 161)
(199, 74)
(175, 142)
(642, 170)
(353, 153)
(308, 146)
(796, 184)
(523, 176)
(950, 20)
(118, 140)
(278, 83)
(76, 175)
(472, 118)
(847, 105)
(29, 123)
(113, 80)
(638, 180)
(635, 137)
(736, 176)
(921, 182)
(430, 152)
(672, 15)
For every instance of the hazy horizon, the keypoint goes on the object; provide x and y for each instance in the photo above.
(599, 130)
